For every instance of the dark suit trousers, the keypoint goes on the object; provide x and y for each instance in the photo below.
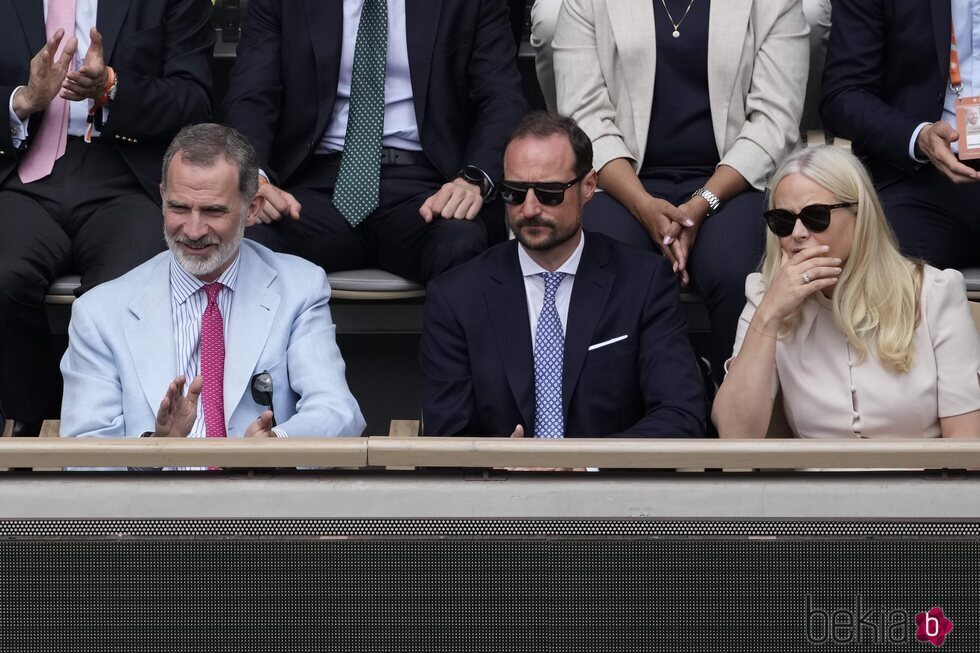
(90, 216)
(394, 237)
(935, 219)
(729, 247)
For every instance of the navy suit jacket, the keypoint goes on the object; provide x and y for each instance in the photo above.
(462, 61)
(886, 73)
(161, 51)
(478, 364)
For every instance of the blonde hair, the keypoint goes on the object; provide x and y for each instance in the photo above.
(876, 299)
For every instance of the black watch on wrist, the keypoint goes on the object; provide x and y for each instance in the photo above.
(475, 176)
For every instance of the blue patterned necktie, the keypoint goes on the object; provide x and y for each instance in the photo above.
(356, 192)
(549, 355)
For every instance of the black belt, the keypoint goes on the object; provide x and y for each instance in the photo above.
(390, 156)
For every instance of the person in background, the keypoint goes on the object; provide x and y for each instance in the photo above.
(863, 341)
(689, 105)
(889, 87)
(95, 90)
(379, 127)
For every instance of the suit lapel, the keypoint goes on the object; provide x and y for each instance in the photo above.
(253, 310)
(109, 20)
(151, 340)
(31, 16)
(325, 19)
(635, 37)
(507, 307)
(727, 30)
(421, 25)
(592, 286)
(942, 21)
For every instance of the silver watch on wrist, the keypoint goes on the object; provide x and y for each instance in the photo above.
(713, 202)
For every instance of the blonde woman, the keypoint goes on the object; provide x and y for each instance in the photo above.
(863, 341)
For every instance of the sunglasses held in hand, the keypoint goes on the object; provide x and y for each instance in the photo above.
(815, 218)
(549, 193)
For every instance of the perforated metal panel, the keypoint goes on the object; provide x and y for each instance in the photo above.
(483, 585)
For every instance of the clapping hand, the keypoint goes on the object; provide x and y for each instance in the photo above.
(177, 412)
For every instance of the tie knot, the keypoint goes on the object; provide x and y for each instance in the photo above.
(212, 290)
(551, 282)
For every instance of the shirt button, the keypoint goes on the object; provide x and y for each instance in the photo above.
(853, 389)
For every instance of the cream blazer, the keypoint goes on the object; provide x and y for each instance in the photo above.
(758, 59)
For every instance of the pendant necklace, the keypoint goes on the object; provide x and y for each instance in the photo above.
(676, 33)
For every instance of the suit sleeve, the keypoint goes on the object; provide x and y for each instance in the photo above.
(774, 103)
(448, 402)
(164, 78)
(326, 407)
(92, 404)
(851, 105)
(671, 382)
(254, 90)
(494, 89)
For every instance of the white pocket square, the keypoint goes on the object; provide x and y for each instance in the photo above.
(608, 342)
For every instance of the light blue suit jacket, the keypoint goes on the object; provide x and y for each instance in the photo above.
(122, 353)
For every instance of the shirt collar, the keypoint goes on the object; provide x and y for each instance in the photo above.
(570, 266)
(183, 285)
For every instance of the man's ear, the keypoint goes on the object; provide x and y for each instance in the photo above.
(254, 208)
(589, 183)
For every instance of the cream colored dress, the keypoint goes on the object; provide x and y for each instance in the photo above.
(827, 393)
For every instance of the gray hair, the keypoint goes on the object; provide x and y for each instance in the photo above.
(203, 144)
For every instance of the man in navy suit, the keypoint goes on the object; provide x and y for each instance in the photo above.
(558, 333)
(428, 87)
(886, 86)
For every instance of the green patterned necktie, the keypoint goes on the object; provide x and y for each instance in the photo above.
(356, 192)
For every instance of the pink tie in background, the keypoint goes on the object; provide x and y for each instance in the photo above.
(49, 144)
(213, 364)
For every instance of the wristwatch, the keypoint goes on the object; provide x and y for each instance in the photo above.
(713, 202)
(474, 175)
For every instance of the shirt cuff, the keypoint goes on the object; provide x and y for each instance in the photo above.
(279, 433)
(18, 128)
(915, 137)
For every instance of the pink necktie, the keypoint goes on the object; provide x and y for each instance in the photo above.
(213, 364)
(49, 144)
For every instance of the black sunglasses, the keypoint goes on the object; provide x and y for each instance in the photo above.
(549, 193)
(815, 218)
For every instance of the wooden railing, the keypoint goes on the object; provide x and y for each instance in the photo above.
(681, 454)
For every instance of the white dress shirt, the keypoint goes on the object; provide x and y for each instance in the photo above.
(534, 286)
(400, 123)
(85, 15)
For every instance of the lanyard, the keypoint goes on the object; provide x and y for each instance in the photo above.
(955, 79)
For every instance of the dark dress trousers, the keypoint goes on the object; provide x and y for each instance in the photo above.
(478, 364)
(98, 213)
(886, 72)
(466, 94)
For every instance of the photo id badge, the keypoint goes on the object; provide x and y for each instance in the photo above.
(968, 125)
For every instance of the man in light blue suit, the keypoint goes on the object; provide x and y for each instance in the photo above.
(215, 309)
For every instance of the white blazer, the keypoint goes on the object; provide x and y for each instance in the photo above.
(122, 351)
(758, 57)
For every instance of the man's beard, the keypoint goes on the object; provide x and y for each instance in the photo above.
(200, 266)
(554, 237)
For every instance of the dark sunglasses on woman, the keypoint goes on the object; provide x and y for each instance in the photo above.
(549, 193)
(815, 218)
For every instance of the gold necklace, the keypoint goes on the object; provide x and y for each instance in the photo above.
(677, 25)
